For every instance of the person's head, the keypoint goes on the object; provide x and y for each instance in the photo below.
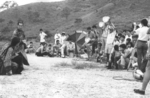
(57, 41)
(41, 30)
(134, 38)
(63, 33)
(94, 27)
(122, 47)
(89, 29)
(116, 38)
(14, 42)
(116, 48)
(31, 43)
(50, 45)
(129, 45)
(144, 22)
(19, 24)
(122, 38)
(128, 40)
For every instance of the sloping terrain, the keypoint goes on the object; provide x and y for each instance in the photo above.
(70, 15)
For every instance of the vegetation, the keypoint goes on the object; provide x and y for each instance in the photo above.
(72, 14)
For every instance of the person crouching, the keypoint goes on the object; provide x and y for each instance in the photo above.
(9, 58)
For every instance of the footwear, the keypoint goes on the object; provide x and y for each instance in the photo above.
(139, 91)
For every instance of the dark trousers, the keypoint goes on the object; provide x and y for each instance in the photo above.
(43, 54)
(141, 53)
(19, 61)
(94, 46)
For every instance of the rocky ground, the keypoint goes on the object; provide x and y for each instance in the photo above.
(45, 79)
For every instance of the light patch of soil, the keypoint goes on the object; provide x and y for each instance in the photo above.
(42, 79)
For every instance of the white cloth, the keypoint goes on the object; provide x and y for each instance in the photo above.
(63, 40)
(42, 36)
(142, 33)
(57, 36)
(126, 37)
(111, 37)
(70, 46)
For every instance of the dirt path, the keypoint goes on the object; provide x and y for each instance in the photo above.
(43, 80)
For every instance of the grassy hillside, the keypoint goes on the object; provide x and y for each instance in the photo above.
(71, 14)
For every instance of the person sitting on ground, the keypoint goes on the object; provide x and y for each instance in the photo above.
(10, 59)
(122, 39)
(70, 48)
(30, 48)
(128, 40)
(50, 50)
(125, 56)
(56, 48)
(41, 51)
(114, 57)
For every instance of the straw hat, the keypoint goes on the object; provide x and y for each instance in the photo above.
(101, 24)
(106, 19)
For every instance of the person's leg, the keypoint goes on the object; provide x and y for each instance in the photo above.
(14, 67)
(19, 61)
(144, 51)
(145, 80)
(62, 51)
(38, 54)
(139, 54)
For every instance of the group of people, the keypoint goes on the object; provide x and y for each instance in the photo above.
(61, 48)
(121, 49)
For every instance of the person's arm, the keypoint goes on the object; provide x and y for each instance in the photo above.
(8, 57)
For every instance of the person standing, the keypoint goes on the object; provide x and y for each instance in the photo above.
(146, 75)
(57, 37)
(108, 26)
(141, 44)
(42, 36)
(63, 43)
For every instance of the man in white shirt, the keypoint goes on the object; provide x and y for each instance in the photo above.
(70, 48)
(109, 42)
(57, 37)
(143, 36)
(42, 36)
(63, 43)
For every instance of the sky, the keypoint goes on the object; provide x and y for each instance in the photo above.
(23, 2)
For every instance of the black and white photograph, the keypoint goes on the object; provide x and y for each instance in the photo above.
(74, 48)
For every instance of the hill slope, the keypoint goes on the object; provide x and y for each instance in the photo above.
(71, 14)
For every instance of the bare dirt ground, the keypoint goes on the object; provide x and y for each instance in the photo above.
(42, 79)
